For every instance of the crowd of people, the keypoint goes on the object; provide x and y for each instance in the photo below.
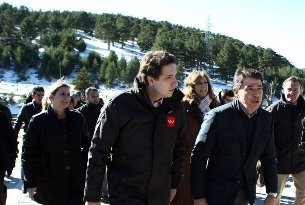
(155, 145)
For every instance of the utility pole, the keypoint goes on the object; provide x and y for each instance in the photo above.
(207, 41)
(59, 70)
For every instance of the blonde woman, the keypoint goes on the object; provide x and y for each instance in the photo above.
(199, 99)
(55, 151)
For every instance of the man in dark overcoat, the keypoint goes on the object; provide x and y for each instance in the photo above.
(232, 138)
(288, 114)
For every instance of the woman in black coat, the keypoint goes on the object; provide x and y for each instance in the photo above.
(55, 152)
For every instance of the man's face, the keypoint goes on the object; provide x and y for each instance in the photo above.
(228, 99)
(93, 97)
(250, 94)
(38, 96)
(164, 86)
(292, 91)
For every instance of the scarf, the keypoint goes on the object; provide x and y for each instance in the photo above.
(204, 104)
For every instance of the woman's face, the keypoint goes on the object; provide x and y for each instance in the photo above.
(201, 88)
(61, 99)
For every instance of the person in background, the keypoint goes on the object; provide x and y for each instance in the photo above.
(8, 152)
(6, 111)
(28, 110)
(91, 110)
(232, 138)
(225, 96)
(198, 100)
(140, 137)
(55, 151)
(76, 100)
(288, 114)
(71, 104)
(29, 98)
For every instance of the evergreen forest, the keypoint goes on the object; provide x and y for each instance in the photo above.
(25, 33)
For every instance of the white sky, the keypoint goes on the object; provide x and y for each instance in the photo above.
(275, 24)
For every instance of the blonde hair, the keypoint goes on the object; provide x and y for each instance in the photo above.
(193, 78)
(46, 102)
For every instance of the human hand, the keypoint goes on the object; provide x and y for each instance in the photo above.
(172, 194)
(201, 201)
(9, 172)
(93, 203)
(32, 192)
(10, 168)
(270, 200)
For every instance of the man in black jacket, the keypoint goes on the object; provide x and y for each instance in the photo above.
(232, 138)
(28, 110)
(91, 110)
(140, 137)
(8, 153)
(288, 114)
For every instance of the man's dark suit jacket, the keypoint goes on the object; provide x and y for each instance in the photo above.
(220, 161)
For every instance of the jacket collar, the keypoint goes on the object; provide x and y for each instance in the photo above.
(237, 125)
(300, 100)
(92, 105)
(37, 106)
(139, 89)
(54, 114)
(300, 107)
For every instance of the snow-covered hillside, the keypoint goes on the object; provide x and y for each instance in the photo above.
(9, 82)
(93, 44)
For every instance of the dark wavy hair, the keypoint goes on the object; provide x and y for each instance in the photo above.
(152, 64)
(242, 73)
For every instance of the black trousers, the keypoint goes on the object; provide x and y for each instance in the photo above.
(3, 191)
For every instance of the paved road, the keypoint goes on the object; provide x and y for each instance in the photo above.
(16, 197)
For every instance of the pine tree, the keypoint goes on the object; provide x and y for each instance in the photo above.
(28, 28)
(180, 75)
(19, 59)
(106, 30)
(112, 57)
(83, 80)
(123, 27)
(5, 57)
(131, 70)
(146, 37)
(227, 60)
(122, 65)
(81, 45)
(110, 75)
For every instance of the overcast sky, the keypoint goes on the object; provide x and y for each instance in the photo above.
(275, 24)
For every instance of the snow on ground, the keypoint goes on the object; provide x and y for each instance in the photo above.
(93, 44)
(9, 84)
